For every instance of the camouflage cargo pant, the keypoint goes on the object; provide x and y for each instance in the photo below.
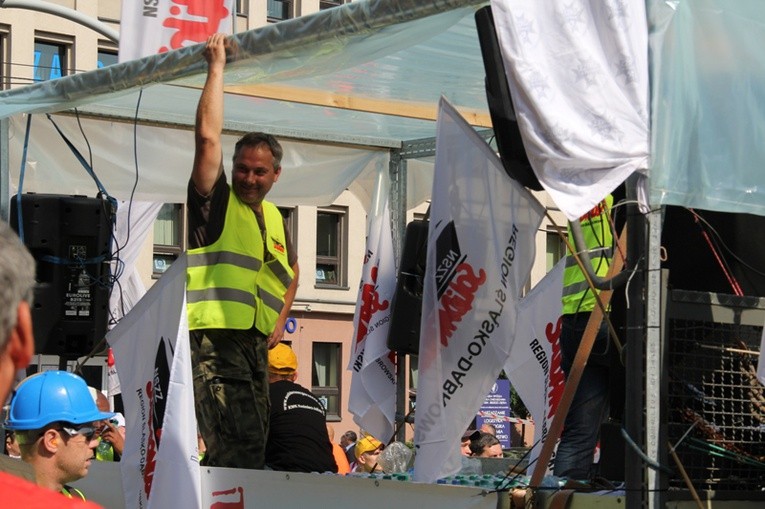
(231, 392)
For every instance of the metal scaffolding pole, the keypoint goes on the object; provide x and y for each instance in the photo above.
(634, 416)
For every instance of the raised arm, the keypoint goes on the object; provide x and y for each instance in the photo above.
(208, 154)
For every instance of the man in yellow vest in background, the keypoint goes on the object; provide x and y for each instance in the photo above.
(590, 406)
(241, 279)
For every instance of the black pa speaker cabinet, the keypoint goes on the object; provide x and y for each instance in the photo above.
(509, 141)
(404, 332)
(70, 239)
(693, 265)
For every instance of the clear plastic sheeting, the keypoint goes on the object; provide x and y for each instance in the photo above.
(351, 74)
(708, 105)
(314, 173)
(396, 458)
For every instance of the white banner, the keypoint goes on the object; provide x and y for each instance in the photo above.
(534, 365)
(160, 465)
(480, 252)
(372, 398)
(148, 27)
(578, 74)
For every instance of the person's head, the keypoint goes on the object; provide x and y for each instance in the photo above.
(485, 445)
(348, 438)
(102, 403)
(257, 165)
(17, 279)
(489, 428)
(468, 435)
(54, 418)
(282, 363)
(367, 451)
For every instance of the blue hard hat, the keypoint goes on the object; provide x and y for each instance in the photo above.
(52, 396)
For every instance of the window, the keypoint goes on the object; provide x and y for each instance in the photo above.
(330, 245)
(290, 222)
(242, 7)
(168, 237)
(279, 10)
(51, 59)
(106, 58)
(5, 70)
(326, 376)
(556, 249)
(328, 4)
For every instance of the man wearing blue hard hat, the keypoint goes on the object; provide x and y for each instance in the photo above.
(55, 421)
(17, 279)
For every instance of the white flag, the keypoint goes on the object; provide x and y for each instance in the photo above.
(761, 359)
(160, 465)
(534, 365)
(480, 252)
(148, 27)
(578, 74)
(373, 380)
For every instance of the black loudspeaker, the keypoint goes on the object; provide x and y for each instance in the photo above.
(509, 141)
(692, 263)
(70, 239)
(404, 332)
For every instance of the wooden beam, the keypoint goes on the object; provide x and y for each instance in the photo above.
(407, 109)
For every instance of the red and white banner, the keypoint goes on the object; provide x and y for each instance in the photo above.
(160, 465)
(480, 252)
(112, 378)
(534, 363)
(372, 398)
(148, 27)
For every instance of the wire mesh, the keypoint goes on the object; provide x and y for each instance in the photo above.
(716, 416)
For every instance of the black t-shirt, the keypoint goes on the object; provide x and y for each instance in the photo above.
(297, 437)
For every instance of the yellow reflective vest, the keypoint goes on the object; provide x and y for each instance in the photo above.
(68, 491)
(577, 295)
(241, 278)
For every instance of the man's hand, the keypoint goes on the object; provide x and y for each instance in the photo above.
(278, 334)
(112, 435)
(215, 51)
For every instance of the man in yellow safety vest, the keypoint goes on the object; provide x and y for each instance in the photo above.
(241, 279)
(590, 405)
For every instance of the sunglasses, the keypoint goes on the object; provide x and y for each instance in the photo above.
(88, 431)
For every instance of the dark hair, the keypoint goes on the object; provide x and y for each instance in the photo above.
(256, 139)
(481, 442)
(350, 435)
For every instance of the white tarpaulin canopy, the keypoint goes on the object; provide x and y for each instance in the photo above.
(341, 87)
